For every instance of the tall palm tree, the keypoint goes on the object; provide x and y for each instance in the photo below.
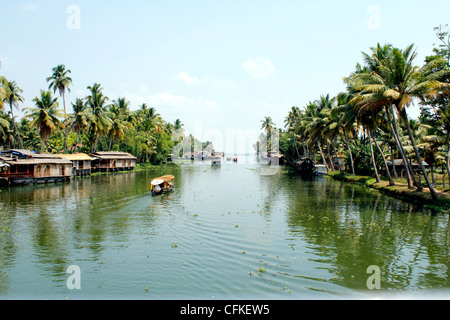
(12, 97)
(80, 118)
(101, 121)
(268, 126)
(118, 113)
(45, 115)
(60, 81)
(395, 83)
(3, 82)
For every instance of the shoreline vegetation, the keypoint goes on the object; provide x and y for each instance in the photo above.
(399, 191)
(367, 132)
(87, 124)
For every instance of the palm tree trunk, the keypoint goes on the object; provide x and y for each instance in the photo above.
(391, 181)
(65, 116)
(418, 157)
(433, 178)
(369, 133)
(393, 163)
(349, 152)
(399, 147)
(323, 157)
(295, 145)
(447, 162)
(329, 156)
(336, 155)
(15, 127)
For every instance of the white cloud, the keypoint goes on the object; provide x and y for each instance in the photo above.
(187, 78)
(259, 68)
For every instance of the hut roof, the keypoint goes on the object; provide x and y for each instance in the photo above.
(113, 155)
(53, 160)
(21, 156)
(77, 157)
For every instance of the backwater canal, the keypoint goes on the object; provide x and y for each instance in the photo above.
(224, 232)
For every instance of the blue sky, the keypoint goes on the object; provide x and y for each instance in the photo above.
(218, 66)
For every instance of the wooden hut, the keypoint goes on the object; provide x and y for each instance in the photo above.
(112, 161)
(20, 167)
(82, 163)
(399, 167)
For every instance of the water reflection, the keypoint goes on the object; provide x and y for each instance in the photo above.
(351, 229)
(309, 235)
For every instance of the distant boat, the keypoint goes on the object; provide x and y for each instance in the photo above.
(162, 185)
(216, 160)
(321, 169)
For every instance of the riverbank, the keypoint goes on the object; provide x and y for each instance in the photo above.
(399, 190)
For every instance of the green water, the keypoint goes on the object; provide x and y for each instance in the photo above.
(224, 233)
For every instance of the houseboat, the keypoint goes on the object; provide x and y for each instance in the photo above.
(304, 165)
(82, 163)
(21, 167)
(112, 161)
(162, 185)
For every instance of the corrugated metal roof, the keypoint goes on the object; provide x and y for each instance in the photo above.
(113, 155)
(55, 160)
(77, 157)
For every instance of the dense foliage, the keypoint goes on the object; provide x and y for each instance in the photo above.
(363, 129)
(91, 123)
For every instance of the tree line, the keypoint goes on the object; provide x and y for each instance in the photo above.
(368, 124)
(91, 123)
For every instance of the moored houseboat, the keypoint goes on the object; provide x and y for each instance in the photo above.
(112, 161)
(21, 167)
(82, 163)
(304, 165)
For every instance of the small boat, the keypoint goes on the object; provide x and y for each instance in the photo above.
(162, 185)
(235, 159)
(216, 160)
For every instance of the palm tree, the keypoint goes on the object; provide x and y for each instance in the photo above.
(101, 121)
(394, 82)
(267, 125)
(6, 136)
(80, 118)
(118, 113)
(3, 82)
(12, 97)
(45, 115)
(60, 81)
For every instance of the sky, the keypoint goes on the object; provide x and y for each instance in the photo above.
(218, 66)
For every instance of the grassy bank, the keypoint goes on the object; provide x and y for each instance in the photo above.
(400, 191)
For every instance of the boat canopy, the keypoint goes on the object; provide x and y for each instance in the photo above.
(157, 181)
(167, 178)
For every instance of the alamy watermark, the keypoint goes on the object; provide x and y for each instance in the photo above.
(374, 20)
(374, 280)
(73, 22)
(74, 280)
